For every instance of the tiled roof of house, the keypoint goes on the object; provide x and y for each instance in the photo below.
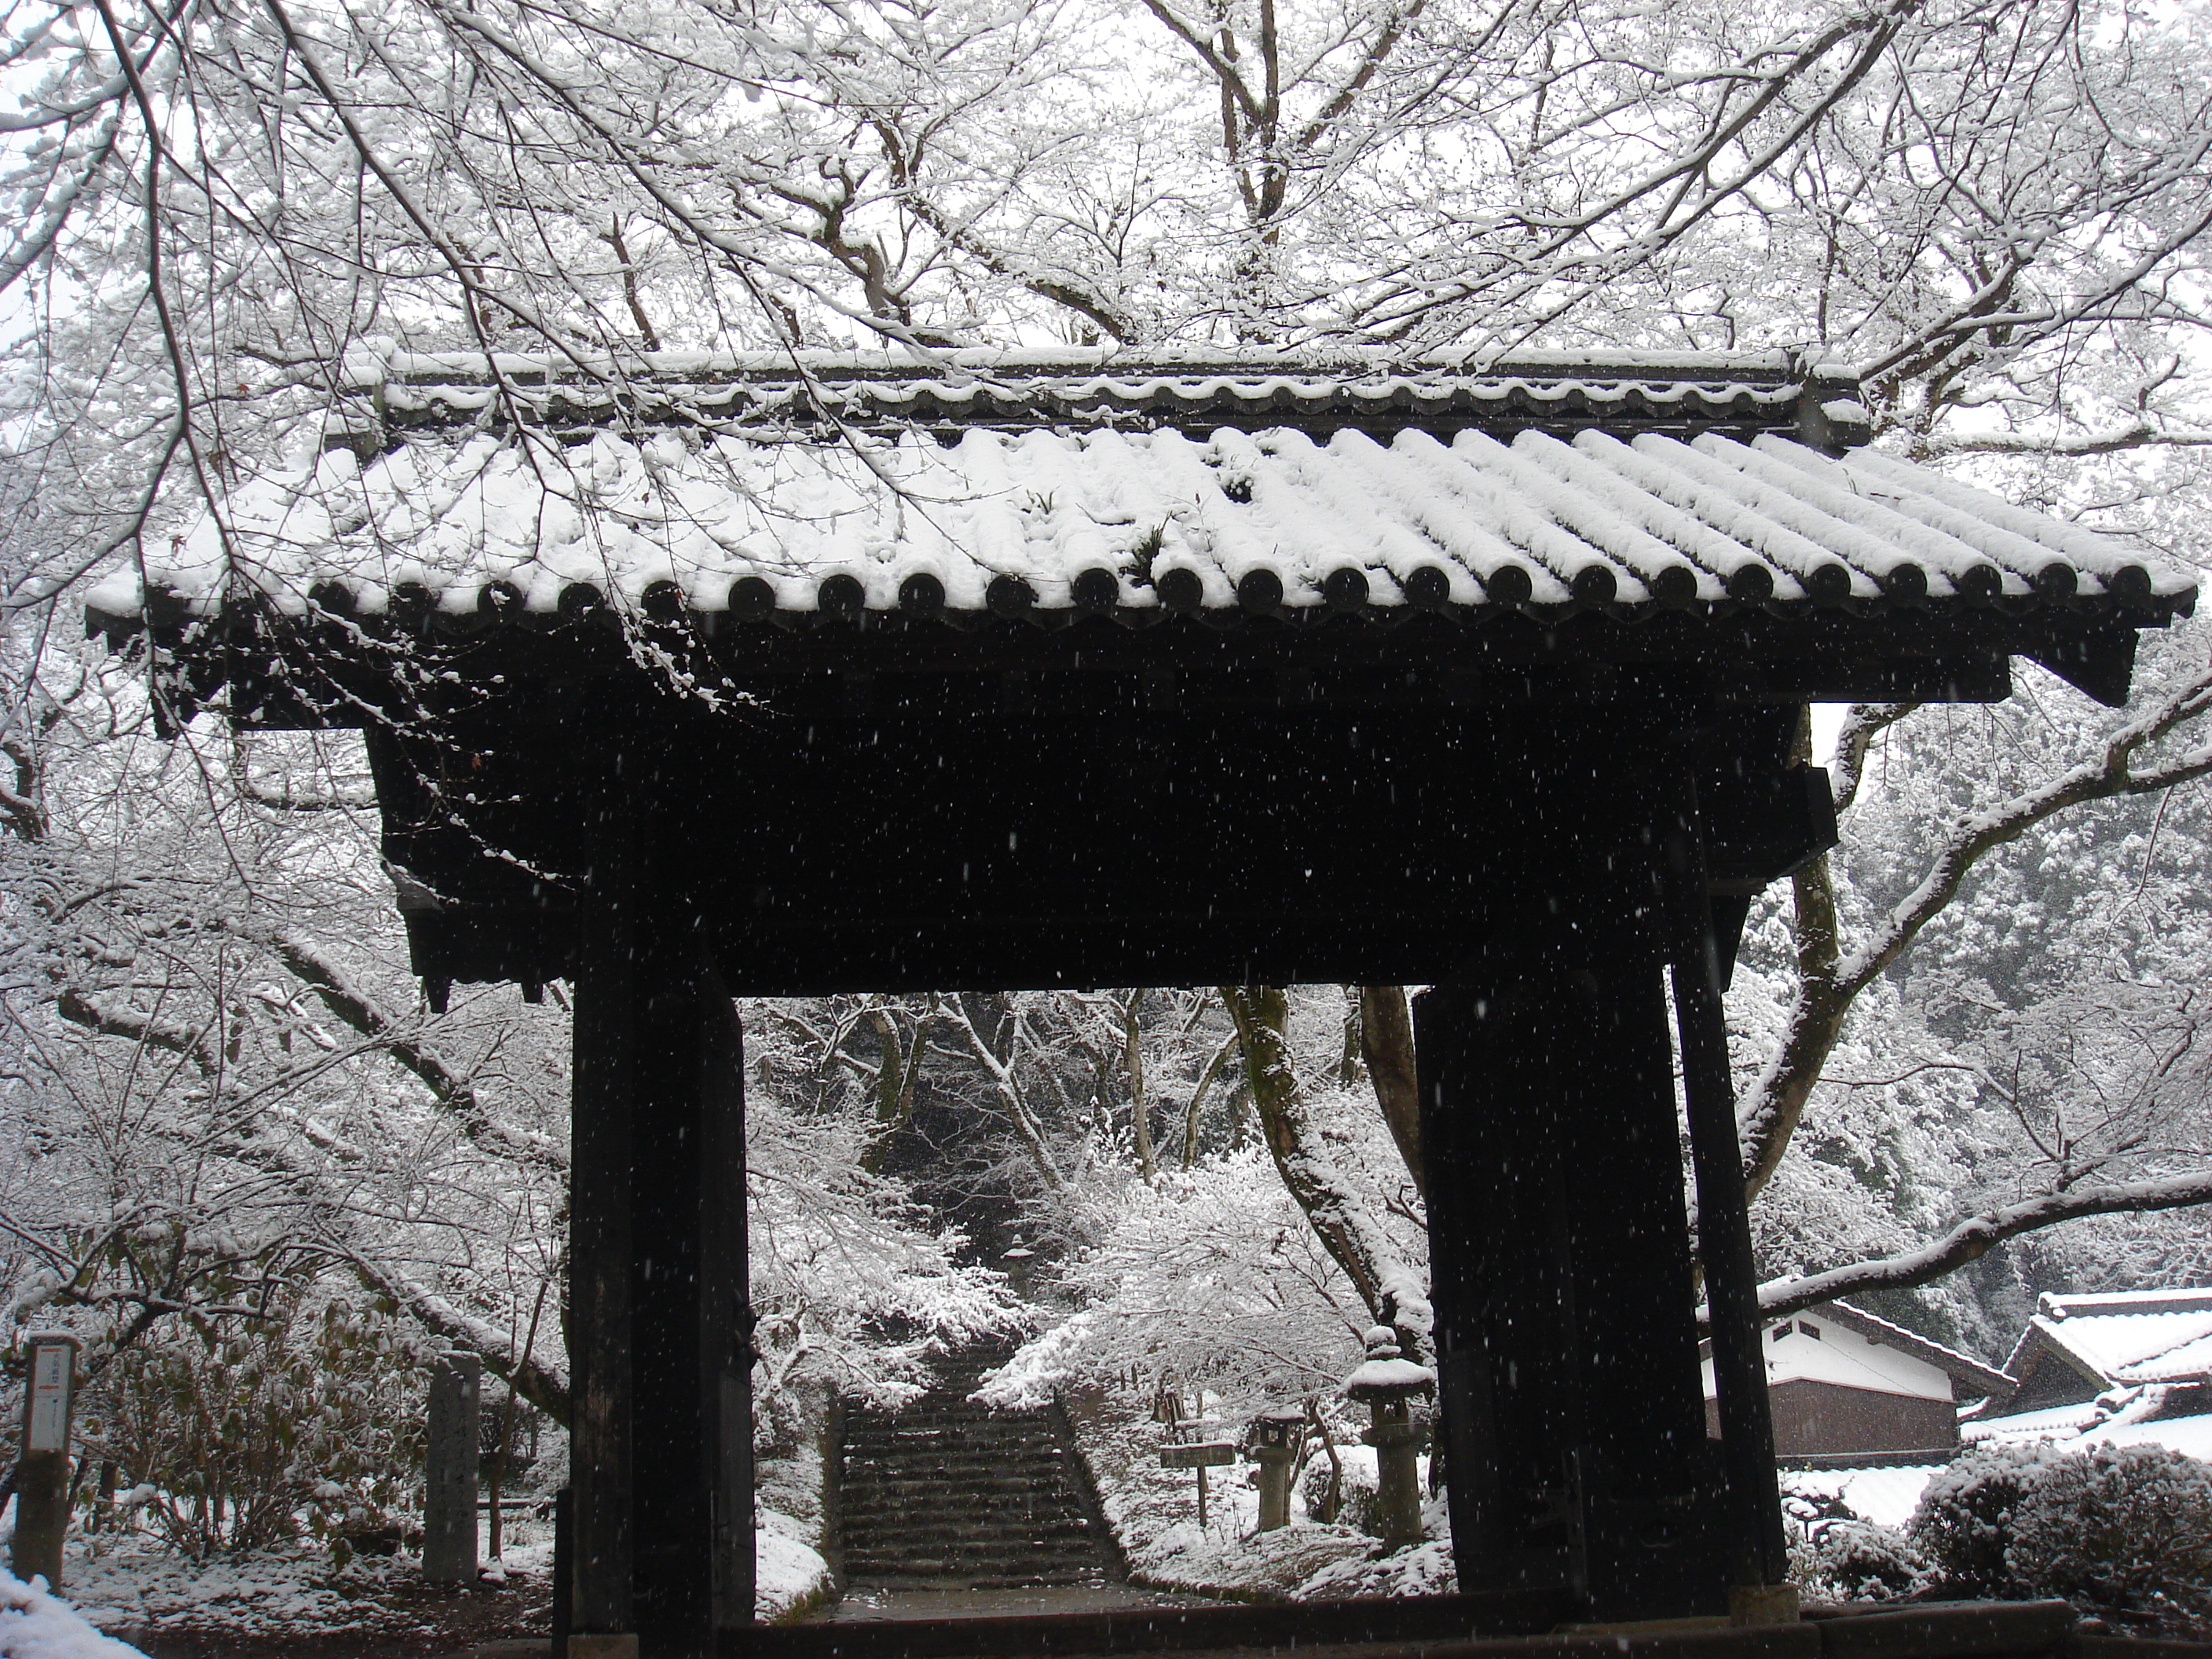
(1972, 1377)
(2134, 1337)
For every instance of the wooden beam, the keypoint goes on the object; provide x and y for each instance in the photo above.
(1559, 1255)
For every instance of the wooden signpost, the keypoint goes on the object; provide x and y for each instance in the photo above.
(1183, 1451)
(42, 1481)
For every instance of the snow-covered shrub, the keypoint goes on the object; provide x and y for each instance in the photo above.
(241, 1433)
(1838, 1555)
(1355, 1493)
(2124, 1531)
(1861, 1561)
(1963, 1527)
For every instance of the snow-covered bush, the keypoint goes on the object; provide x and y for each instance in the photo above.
(1838, 1555)
(1861, 1561)
(1963, 1527)
(2124, 1531)
(1354, 1494)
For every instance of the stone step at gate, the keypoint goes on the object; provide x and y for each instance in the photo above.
(948, 1494)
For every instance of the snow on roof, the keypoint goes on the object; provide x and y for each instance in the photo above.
(1970, 1373)
(1371, 1375)
(2047, 1425)
(1912, 1365)
(2142, 1336)
(1806, 1348)
(1103, 519)
(2189, 1435)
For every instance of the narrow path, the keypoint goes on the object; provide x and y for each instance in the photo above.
(948, 1495)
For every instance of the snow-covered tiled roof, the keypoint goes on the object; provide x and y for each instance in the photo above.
(1276, 521)
(2142, 1336)
(1836, 1343)
(1972, 1376)
(2051, 1423)
(871, 392)
(1884, 1495)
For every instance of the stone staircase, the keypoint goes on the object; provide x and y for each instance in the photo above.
(949, 1494)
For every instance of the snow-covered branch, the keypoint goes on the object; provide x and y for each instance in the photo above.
(543, 1386)
(1975, 1236)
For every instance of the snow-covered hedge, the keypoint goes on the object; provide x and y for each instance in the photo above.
(2123, 1531)
(1963, 1524)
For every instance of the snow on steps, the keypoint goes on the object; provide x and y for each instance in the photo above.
(949, 1493)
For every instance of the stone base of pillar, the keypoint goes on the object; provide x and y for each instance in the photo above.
(1763, 1604)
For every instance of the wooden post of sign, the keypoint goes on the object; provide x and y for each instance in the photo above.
(42, 1481)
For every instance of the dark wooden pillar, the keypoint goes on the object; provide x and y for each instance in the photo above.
(662, 1432)
(1655, 1538)
(1566, 1338)
(1759, 1552)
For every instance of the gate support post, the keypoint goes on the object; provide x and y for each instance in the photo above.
(1565, 1333)
(660, 1358)
(1760, 1552)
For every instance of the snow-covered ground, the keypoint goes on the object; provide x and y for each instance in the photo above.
(36, 1626)
(1154, 1514)
(268, 1593)
(139, 1586)
(791, 1577)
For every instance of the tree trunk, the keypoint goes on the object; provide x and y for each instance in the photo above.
(898, 1069)
(1386, 1044)
(1393, 1292)
(1198, 1099)
(1133, 1059)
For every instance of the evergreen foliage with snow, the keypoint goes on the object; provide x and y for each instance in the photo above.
(1835, 1555)
(240, 1434)
(1963, 1524)
(2122, 1531)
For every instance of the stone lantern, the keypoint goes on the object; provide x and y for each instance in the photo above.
(1274, 1442)
(1017, 1258)
(1387, 1382)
